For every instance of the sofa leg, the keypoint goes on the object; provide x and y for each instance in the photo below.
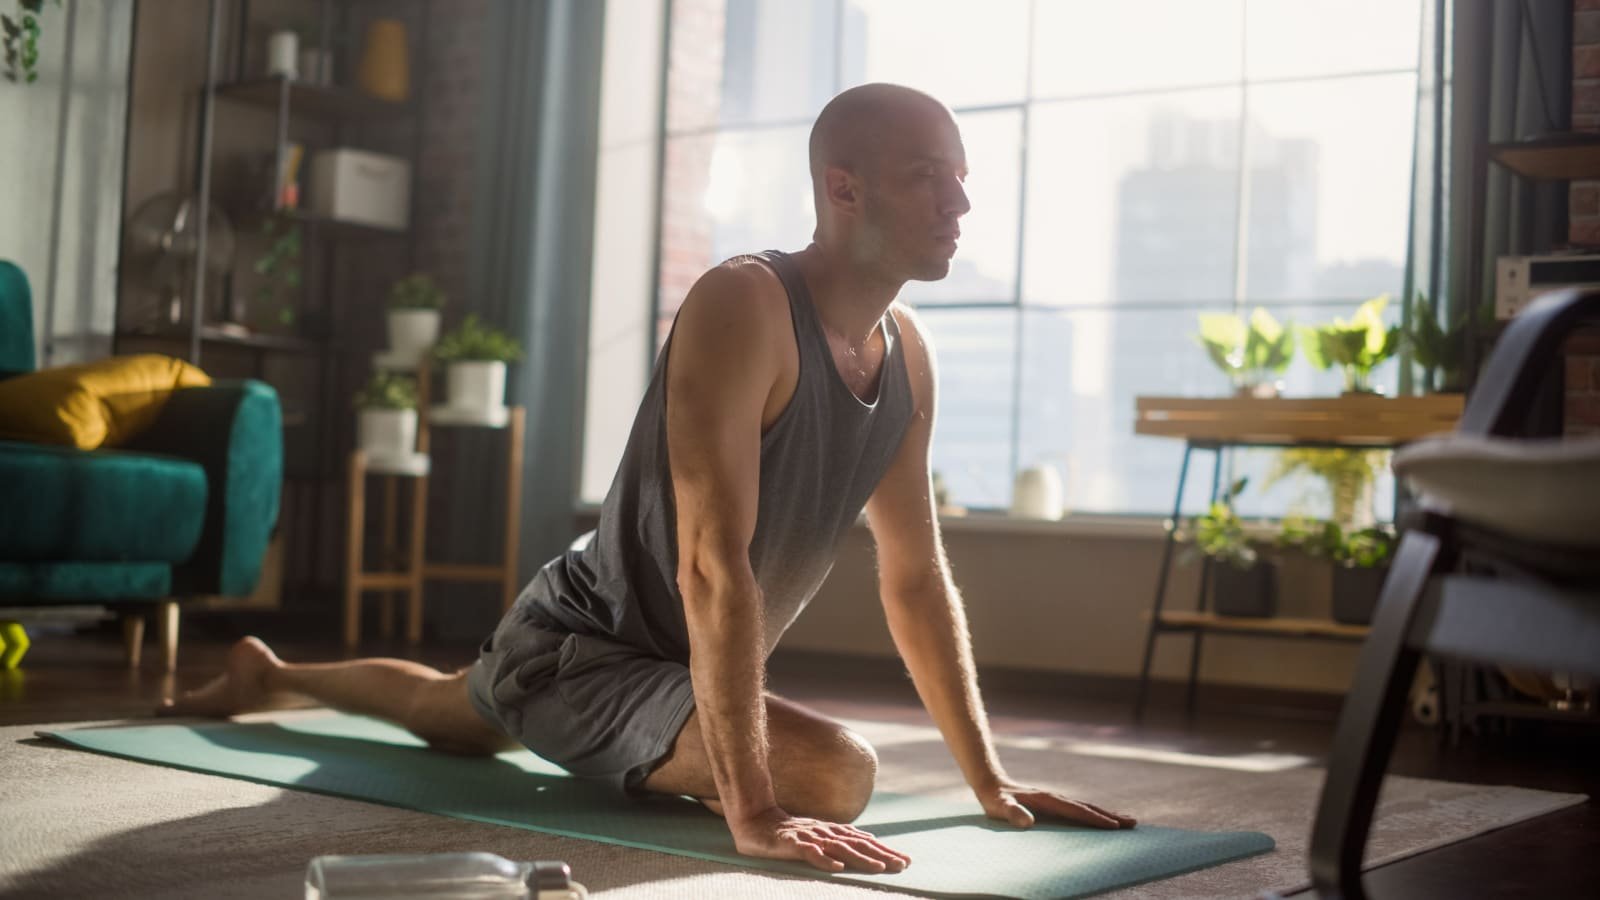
(167, 628)
(132, 637)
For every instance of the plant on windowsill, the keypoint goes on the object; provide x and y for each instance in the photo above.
(414, 303)
(1440, 351)
(387, 415)
(1356, 347)
(1252, 354)
(476, 355)
(1242, 583)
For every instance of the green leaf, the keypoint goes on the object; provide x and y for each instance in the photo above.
(475, 341)
(416, 291)
(387, 390)
(1314, 345)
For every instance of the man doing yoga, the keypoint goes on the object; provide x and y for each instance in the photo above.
(792, 393)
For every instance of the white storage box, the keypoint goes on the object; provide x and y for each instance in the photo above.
(358, 186)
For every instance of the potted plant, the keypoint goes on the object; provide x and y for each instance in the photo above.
(1361, 563)
(278, 291)
(1252, 354)
(414, 303)
(387, 423)
(1242, 583)
(1350, 476)
(477, 354)
(1440, 351)
(1357, 346)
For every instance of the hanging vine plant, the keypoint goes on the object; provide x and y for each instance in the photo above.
(19, 35)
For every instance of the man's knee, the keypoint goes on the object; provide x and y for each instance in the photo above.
(441, 714)
(836, 783)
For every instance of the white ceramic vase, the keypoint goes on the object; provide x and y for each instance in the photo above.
(387, 432)
(1037, 494)
(477, 386)
(412, 332)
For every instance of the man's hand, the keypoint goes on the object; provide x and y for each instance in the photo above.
(774, 834)
(1014, 803)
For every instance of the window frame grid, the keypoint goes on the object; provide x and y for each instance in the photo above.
(1024, 107)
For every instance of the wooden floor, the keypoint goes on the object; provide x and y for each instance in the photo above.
(82, 677)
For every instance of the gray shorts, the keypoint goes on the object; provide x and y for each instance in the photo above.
(597, 708)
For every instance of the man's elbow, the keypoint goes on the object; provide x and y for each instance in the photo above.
(913, 589)
(710, 576)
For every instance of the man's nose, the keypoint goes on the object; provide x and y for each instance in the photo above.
(955, 201)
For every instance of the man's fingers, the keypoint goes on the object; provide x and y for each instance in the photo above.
(814, 854)
(1072, 809)
(1017, 814)
(1125, 820)
(892, 861)
(854, 834)
(852, 857)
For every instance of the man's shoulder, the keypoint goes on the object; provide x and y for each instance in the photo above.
(743, 293)
(912, 330)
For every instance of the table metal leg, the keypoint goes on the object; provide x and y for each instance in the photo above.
(1200, 601)
(1161, 587)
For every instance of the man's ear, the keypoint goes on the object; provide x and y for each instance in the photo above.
(843, 189)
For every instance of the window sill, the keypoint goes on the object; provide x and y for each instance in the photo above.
(1080, 525)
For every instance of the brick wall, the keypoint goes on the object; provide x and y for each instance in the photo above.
(694, 101)
(1583, 352)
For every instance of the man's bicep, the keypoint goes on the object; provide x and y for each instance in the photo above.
(901, 511)
(717, 381)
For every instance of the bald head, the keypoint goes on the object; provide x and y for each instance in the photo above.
(853, 130)
(887, 167)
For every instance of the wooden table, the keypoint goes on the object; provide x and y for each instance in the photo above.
(1215, 424)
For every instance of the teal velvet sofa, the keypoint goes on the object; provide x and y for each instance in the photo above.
(184, 509)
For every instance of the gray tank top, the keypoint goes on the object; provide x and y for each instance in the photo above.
(820, 461)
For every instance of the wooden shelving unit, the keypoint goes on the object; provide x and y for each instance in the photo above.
(1217, 423)
(306, 366)
(326, 102)
(1181, 620)
(1564, 157)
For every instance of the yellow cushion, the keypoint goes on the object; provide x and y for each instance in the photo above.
(98, 404)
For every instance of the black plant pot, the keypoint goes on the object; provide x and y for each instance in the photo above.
(1355, 593)
(1251, 592)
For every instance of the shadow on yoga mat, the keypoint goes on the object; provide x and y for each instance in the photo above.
(955, 851)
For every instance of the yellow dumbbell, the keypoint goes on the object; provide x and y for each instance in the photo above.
(13, 644)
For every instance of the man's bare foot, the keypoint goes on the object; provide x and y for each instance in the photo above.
(241, 688)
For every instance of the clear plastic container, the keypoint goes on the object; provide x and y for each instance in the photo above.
(445, 876)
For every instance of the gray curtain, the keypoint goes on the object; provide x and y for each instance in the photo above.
(1510, 78)
(533, 224)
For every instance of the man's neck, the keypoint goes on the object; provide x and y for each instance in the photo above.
(850, 299)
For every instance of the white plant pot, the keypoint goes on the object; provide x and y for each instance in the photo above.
(477, 386)
(387, 432)
(412, 332)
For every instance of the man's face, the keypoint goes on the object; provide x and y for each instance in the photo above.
(913, 199)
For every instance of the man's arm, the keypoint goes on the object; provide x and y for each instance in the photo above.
(926, 616)
(723, 367)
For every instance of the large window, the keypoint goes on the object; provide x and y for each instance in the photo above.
(1132, 166)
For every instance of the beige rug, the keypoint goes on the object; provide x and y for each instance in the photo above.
(80, 824)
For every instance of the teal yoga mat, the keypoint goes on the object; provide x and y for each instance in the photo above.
(954, 850)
